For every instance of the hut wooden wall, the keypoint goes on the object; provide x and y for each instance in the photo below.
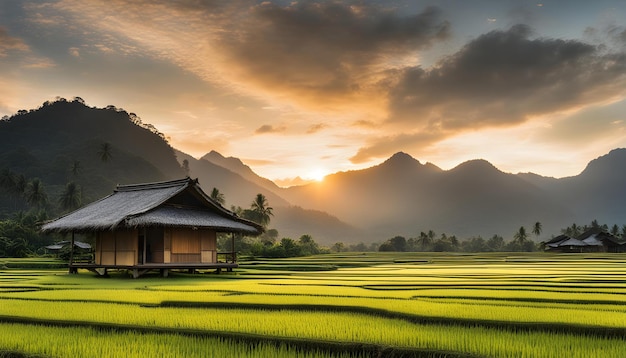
(190, 246)
(208, 246)
(116, 248)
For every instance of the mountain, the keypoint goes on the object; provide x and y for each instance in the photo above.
(49, 141)
(240, 184)
(235, 165)
(598, 192)
(378, 194)
(237, 189)
(401, 196)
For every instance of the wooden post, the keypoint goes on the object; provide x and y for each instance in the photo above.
(145, 233)
(71, 269)
(232, 246)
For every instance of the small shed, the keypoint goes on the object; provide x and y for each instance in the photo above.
(592, 240)
(162, 225)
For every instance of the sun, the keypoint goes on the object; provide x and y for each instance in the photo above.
(317, 174)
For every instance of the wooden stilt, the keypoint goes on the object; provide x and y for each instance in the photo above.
(72, 269)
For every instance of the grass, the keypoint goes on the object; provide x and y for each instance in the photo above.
(493, 305)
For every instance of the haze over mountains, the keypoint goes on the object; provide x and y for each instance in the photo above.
(400, 196)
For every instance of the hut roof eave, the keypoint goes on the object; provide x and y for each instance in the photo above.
(146, 205)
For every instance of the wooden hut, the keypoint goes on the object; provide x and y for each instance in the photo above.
(164, 225)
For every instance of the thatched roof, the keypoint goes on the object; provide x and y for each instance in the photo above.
(179, 203)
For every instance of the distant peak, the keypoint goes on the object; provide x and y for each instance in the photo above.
(476, 164)
(402, 158)
(213, 154)
(607, 163)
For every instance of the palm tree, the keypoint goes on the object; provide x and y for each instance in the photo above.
(537, 228)
(521, 236)
(20, 184)
(14, 184)
(71, 197)
(7, 180)
(105, 152)
(424, 240)
(76, 168)
(36, 194)
(217, 196)
(260, 210)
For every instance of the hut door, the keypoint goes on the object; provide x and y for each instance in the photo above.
(154, 245)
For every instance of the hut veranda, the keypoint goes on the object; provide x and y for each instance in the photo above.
(155, 226)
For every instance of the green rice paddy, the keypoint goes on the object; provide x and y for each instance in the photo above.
(349, 305)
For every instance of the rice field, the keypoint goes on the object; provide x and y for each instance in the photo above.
(341, 305)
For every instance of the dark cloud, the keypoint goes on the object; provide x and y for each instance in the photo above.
(504, 77)
(266, 128)
(325, 49)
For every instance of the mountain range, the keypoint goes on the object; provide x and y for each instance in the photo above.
(400, 196)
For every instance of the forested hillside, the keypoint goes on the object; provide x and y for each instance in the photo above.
(66, 142)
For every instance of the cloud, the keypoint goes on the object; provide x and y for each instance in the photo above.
(504, 77)
(266, 128)
(384, 145)
(325, 52)
(316, 128)
(9, 43)
(501, 78)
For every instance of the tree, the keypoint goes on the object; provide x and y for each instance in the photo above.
(595, 224)
(572, 231)
(20, 184)
(308, 246)
(105, 152)
(399, 243)
(495, 243)
(76, 168)
(291, 247)
(474, 244)
(217, 196)
(36, 194)
(445, 243)
(537, 229)
(7, 180)
(71, 197)
(338, 247)
(185, 167)
(520, 236)
(424, 240)
(259, 211)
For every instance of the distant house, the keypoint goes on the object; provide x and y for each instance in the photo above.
(592, 240)
(164, 226)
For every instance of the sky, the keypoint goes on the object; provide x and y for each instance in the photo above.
(315, 87)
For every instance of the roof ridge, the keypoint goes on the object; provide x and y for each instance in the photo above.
(156, 185)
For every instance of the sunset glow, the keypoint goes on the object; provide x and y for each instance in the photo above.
(316, 174)
(288, 86)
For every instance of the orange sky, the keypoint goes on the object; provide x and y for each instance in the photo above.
(307, 88)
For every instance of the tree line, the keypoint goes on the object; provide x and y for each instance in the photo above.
(20, 237)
